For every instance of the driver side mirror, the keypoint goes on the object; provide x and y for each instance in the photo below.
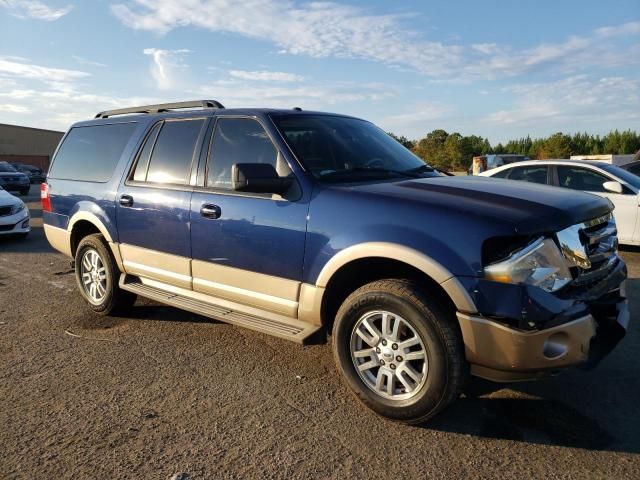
(258, 178)
(612, 187)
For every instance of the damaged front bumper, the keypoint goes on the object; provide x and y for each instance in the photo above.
(524, 332)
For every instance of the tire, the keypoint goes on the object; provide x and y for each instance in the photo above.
(440, 371)
(109, 297)
(24, 192)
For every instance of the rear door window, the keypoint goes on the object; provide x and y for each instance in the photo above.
(173, 152)
(533, 174)
(91, 153)
(140, 174)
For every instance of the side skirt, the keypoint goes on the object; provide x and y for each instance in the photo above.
(223, 310)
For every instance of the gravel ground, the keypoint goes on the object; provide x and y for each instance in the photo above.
(163, 392)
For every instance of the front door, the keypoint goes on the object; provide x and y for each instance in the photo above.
(246, 248)
(153, 203)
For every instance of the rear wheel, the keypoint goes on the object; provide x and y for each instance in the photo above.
(399, 350)
(97, 277)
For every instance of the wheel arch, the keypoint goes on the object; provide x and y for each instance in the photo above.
(360, 264)
(85, 223)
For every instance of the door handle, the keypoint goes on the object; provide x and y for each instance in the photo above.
(126, 200)
(210, 211)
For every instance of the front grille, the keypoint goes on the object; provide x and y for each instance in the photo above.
(7, 228)
(599, 239)
(6, 210)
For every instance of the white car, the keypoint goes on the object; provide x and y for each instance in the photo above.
(14, 215)
(618, 185)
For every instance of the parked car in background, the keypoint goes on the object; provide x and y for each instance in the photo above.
(633, 167)
(618, 185)
(35, 174)
(14, 215)
(13, 180)
(298, 223)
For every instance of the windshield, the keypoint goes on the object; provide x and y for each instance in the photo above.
(340, 149)
(622, 174)
(5, 167)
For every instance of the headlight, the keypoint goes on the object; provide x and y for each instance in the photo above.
(540, 263)
(17, 208)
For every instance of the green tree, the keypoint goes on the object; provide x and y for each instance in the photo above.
(404, 141)
(431, 148)
(557, 145)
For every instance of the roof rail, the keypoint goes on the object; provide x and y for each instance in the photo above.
(161, 107)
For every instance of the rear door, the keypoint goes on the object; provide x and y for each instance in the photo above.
(246, 247)
(154, 200)
(590, 180)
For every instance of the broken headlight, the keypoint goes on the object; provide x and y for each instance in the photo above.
(540, 263)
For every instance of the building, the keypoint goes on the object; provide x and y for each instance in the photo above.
(607, 158)
(33, 146)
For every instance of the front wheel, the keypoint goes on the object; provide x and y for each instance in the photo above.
(399, 350)
(97, 277)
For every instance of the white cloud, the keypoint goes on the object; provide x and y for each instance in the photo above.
(266, 76)
(486, 48)
(236, 93)
(329, 29)
(630, 28)
(316, 29)
(85, 61)
(562, 104)
(12, 108)
(18, 67)
(34, 9)
(165, 66)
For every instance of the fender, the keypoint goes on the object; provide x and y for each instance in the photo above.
(419, 260)
(60, 239)
(91, 218)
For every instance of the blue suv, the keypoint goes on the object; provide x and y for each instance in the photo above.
(306, 225)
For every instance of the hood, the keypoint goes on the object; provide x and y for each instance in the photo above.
(7, 199)
(526, 207)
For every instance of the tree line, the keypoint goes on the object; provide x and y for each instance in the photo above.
(453, 151)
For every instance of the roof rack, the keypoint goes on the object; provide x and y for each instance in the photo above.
(161, 107)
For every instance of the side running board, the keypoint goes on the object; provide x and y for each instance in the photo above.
(277, 325)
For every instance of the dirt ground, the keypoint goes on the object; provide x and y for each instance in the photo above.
(162, 392)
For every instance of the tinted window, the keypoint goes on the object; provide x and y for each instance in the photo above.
(533, 174)
(630, 176)
(140, 174)
(338, 149)
(173, 152)
(91, 153)
(240, 140)
(577, 178)
(501, 174)
(5, 167)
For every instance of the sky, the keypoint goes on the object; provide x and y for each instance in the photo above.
(496, 68)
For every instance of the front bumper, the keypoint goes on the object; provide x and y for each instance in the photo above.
(15, 224)
(550, 333)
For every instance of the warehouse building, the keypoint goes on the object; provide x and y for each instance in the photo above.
(33, 146)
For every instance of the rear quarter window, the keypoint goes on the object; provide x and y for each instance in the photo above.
(91, 153)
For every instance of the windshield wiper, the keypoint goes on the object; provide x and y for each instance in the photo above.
(423, 168)
(373, 170)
